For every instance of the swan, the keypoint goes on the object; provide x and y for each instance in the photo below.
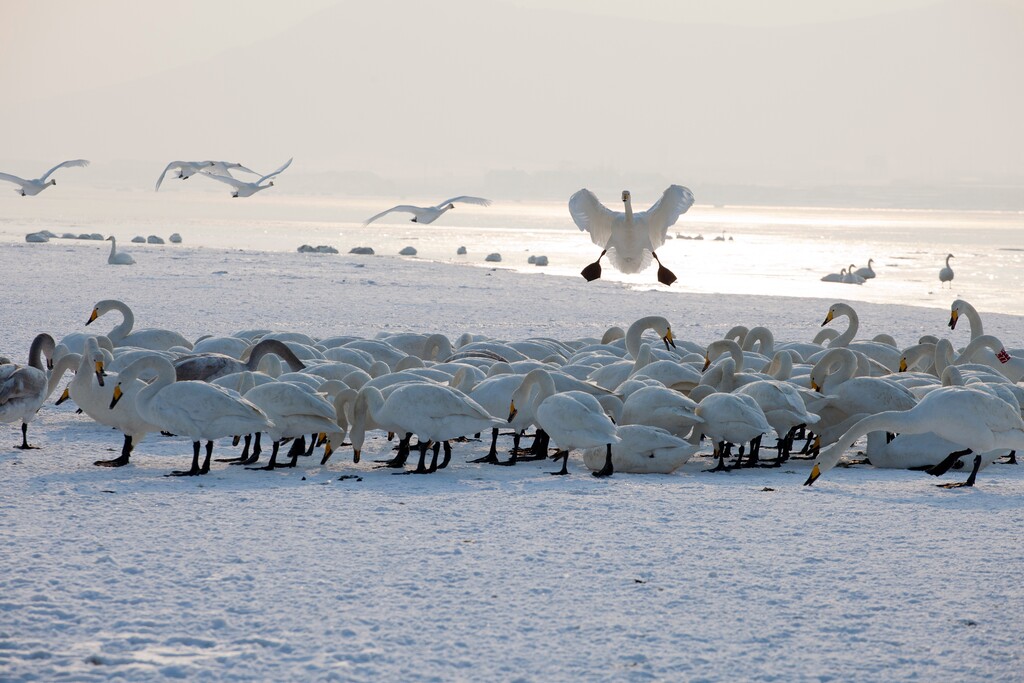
(996, 356)
(210, 366)
(186, 169)
(977, 421)
(730, 419)
(154, 339)
(946, 273)
(429, 214)
(867, 272)
(33, 187)
(611, 375)
(118, 259)
(433, 412)
(196, 410)
(92, 391)
(660, 407)
(23, 389)
(887, 355)
(572, 419)
(642, 449)
(244, 189)
(835, 277)
(294, 413)
(629, 239)
(851, 278)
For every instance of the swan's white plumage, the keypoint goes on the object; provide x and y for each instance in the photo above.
(32, 187)
(117, 258)
(429, 214)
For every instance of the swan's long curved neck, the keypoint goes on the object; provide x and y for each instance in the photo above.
(637, 329)
(847, 336)
(899, 421)
(120, 331)
(268, 346)
(629, 210)
(164, 377)
(113, 246)
(762, 337)
(717, 348)
(43, 344)
(536, 387)
(973, 317)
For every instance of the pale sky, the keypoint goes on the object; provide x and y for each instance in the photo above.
(745, 91)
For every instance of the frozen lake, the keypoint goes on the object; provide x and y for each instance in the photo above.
(766, 250)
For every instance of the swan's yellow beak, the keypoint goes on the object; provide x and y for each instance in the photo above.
(95, 314)
(355, 455)
(99, 372)
(815, 473)
(668, 339)
(953, 318)
(321, 439)
(903, 364)
(828, 318)
(815, 387)
(707, 363)
(63, 397)
(117, 396)
(512, 412)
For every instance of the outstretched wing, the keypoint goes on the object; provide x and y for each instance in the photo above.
(13, 179)
(465, 200)
(401, 207)
(173, 164)
(666, 211)
(234, 182)
(271, 175)
(591, 215)
(69, 164)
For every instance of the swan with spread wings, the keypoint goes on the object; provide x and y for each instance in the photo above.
(630, 239)
(32, 187)
(429, 214)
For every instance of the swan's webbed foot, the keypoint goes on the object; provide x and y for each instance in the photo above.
(608, 468)
(720, 467)
(25, 445)
(593, 271)
(970, 479)
(565, 463)
(490, 459)
(1011, 458)
(119, 461)
(507, 463)
(665, 276)
(272, 463)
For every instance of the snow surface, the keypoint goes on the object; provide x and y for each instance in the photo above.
(475, 572)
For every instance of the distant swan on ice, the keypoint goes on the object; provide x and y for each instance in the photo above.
(429, 214)
(118, 258)
(34, 187)
(630, 239)
(244, 189)
(866, 272)
(835, 277)
(946, 273)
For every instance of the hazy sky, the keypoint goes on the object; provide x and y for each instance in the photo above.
(744, 91)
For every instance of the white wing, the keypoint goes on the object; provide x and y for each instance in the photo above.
(401, 207)
(271, 175)
(666, 211)
(234, 182)
(173, 164)
(73, 162)
(465, 200)
(13, 179)
(593, 216)
(238, 167)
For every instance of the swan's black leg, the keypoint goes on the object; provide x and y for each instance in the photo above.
(313, 440)
(194, 470)
(421, 467)
(539, 448)
(257, 448)
(403, 454)
(947, 462)
(565, 462)
(245, 451)
(608, 468)
(433, 460)
(273, 459)
(970, 479)
(665, 276)
(298, 448)
(1011, 458)
(126, 452)
(205, 469)
(721, 451)
(447, 455)
(593, 271)
(492, 454)
(25, 445)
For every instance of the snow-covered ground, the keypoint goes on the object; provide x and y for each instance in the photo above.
(475, 572)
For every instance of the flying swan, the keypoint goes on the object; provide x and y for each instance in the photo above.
(630, 239)
(429, 214)
(34, 187)
(244, 189)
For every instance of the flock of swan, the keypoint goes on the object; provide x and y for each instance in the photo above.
(858, 276)
(628, 402)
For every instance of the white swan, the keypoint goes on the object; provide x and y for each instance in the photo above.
(118, 259)
(122, 335)
(433, 412)
(642, 449)
(197, 410)
(851, 278)
(866, 272)
(186, 169)
(92, 390)
(429, 214)
(730, 419)
(294, 412)
(572, 419)
(978, 421)
(660, 407)
(783, 408)
(835, 277)
(946, 272)
(629, 239)
(887, 355)
(33, 187)
(23, 389)
(244, 189)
